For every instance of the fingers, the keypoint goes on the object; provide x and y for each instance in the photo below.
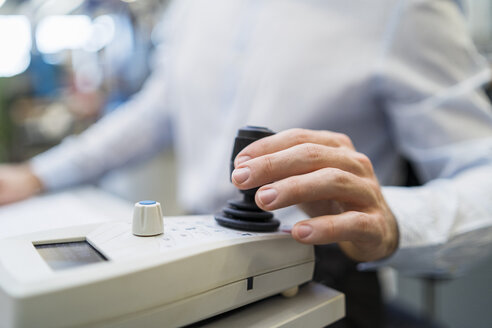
(289, 138)
(321, 170)
(297, 160)
(349, 226)
(325, 184)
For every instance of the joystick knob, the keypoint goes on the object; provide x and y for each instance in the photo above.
(147, 218)
(244, 214)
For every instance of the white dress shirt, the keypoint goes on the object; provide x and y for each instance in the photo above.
(401, 78)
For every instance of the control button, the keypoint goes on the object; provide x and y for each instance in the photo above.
(147, 218)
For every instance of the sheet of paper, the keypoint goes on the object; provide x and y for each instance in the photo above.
(58, 210)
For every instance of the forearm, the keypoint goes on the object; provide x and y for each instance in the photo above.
(132, 132)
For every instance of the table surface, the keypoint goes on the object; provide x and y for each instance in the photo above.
(314, 306)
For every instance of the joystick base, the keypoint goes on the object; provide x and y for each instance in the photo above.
(256, 226)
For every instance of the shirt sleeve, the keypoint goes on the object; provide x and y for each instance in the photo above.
(430, 81)
(130, 133)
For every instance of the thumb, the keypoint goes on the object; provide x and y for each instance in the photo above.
(347, 226)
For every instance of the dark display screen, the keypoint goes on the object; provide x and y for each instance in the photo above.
(62, 256)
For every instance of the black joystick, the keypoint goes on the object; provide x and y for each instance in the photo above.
(244, 214)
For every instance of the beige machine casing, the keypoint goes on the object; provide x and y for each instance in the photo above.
(197, 269)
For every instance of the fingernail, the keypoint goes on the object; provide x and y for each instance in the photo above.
(241, 175)
(242, 159)
(304, 230)
(267, 196)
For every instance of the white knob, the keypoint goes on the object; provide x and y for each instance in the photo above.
(147, 218)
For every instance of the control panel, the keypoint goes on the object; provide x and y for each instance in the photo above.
(104, 275)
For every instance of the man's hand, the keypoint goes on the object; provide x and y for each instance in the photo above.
(17, 182)
(334, 184)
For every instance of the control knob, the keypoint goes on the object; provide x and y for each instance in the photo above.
(147, 218)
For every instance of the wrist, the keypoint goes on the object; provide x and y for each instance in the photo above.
(33, 182)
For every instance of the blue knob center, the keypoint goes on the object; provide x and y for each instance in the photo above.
(147, 202)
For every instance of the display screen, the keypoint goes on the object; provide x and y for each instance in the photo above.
(61, 256)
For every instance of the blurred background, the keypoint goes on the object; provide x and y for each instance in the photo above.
(66, 63)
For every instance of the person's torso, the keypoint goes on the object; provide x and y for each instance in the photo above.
(280, 64)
